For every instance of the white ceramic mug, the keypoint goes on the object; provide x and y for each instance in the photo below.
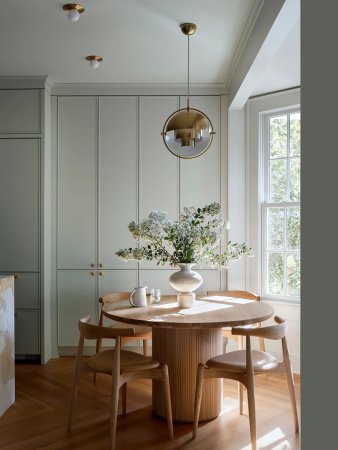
(138, 297)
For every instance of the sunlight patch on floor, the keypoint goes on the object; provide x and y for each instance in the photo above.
(228, 404)
(268, 439)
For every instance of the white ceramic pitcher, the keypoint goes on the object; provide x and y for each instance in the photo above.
(139, 296)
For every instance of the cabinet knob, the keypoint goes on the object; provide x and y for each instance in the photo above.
(16, 277)
(92, 265)
(100, 265)
(92, 274)
(101, 274)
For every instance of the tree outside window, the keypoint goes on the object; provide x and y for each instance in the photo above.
(281, 206)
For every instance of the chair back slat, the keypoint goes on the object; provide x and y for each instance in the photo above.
(238, 294)
(114, 297)
(273, 332)
(89, 331)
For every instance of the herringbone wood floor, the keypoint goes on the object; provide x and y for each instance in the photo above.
(38, 418)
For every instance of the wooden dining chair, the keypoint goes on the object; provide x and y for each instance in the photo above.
(141, 333)
(243, 365)
(227, 331)
(122, 365)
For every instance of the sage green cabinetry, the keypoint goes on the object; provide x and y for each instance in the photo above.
(96, 198)
(20, 111)
(20, 224)
(112, 168)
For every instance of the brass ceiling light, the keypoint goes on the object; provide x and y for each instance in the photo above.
(94, 60)
(188, 132)
(74, 11)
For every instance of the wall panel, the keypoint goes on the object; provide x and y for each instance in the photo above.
(77, 159)
(118, 178)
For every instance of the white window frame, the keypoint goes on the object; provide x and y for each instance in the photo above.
(257, 110)
(265, 147)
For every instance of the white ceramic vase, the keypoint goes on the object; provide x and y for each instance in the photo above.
(185, 281)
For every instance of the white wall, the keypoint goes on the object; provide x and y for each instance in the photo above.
(243, 207)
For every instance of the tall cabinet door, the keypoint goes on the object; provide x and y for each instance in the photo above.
(159, 169)
(20, 187)
(206, 170)
(197, 173)
(76, 299)
(118, 178)
(77, 179)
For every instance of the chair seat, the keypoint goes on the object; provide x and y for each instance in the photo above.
(139, 331)
(130, 361)
(236, 361)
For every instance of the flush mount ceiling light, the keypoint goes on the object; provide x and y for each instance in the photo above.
(188, 132)
(74, 11)
(94, 60)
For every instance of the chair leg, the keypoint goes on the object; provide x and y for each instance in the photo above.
(198, 398)
(98, 349)
(75, 390)
(261, 344)
(145, 347)
(292, 396)
(252, 410)
(240, 397)
(124, 398)
(166, 386)
(225, 343)
(113, 411)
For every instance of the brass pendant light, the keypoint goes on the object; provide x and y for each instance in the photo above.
(188, 132)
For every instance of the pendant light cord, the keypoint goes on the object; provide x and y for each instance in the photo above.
(188, 75)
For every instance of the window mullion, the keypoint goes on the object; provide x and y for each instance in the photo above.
(288, 160)
(285, 250)
(274, 222)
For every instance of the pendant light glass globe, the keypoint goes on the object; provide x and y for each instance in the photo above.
(188, 133)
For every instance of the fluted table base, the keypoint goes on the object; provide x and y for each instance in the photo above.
(183, 349)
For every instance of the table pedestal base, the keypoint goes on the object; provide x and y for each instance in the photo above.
(183, 349)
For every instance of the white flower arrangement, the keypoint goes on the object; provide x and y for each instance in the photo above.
(194, 238)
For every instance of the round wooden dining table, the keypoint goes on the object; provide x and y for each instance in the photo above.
(185, 337)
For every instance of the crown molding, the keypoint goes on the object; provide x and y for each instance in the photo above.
(26, 82)
(254, 13)
(136, 89)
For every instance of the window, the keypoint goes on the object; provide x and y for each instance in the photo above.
(281, 205)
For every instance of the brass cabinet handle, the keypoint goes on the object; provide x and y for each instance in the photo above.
(92, 274)
(92, 265)
(101, 274)
(100, 265)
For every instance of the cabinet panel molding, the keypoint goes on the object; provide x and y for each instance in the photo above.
(76, 298)
(159, 169)
(118, 164)
(27, 332)
(200, 178)
(20, 111)
(20, 218)
(27, 290)
(77, 164)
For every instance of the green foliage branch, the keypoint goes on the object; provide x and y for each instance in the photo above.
(194, 238)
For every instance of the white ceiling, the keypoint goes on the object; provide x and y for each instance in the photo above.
(140, 41)
(284, 69)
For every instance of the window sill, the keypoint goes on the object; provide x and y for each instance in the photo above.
(295, 303)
